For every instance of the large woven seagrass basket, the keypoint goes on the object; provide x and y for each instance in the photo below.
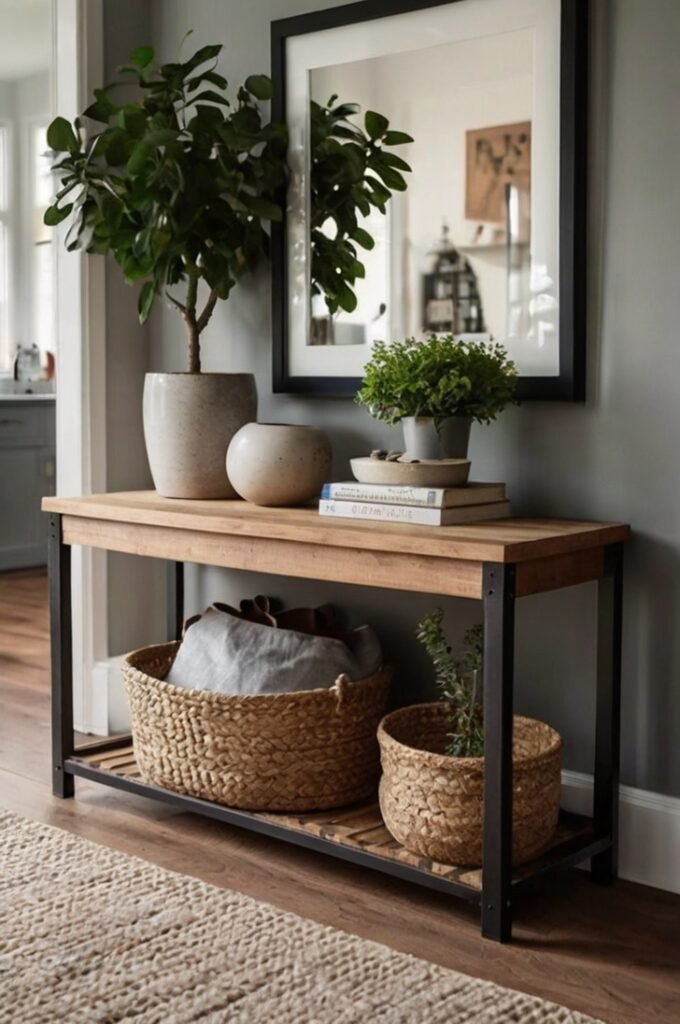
(304, 751)
(433, 803)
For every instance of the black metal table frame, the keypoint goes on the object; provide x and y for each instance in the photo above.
(498, 600)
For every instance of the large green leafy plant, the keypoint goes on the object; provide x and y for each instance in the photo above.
(178, 184)
(459, 682)
(438, 378)
(351, 173)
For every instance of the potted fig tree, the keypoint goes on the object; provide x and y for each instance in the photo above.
(179, 185)
(436, 389)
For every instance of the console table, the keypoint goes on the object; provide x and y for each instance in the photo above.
(492, 562)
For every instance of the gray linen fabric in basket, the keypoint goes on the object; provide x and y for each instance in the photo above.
(226, 654)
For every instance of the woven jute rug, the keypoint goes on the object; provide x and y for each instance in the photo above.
(91, 935)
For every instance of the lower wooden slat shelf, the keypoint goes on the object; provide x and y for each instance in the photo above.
(356, 833)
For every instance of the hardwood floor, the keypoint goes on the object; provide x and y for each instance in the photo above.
(611, 952)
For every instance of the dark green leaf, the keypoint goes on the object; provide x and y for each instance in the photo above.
(259, 86)
(344, 110)
(61, 137)
(55, 214)
(264, 208)
(142, 56)
(200, 57)
(392, 160)
(141, 155)
(392, 178)
(207, 76)
(209, 95)
(376, 124)
(98, 112)
(393, 138)
(346, 298)
(146, 300)
(363, 238)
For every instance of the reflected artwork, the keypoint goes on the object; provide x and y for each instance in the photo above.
(420, 219)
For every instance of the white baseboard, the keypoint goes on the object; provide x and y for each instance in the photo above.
(649, 830)
(108, 711)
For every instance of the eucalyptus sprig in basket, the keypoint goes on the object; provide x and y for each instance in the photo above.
(432, 787)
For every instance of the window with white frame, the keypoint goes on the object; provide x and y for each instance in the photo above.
(6, 339)
(42, 249)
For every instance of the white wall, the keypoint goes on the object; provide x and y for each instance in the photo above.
(614, 457)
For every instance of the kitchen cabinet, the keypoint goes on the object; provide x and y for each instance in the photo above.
(27, 474)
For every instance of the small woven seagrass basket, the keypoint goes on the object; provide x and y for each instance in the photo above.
(432, 803)
(303, 751)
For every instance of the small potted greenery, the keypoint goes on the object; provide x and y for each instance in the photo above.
(436, 389)
(432, 787)
(179, 184)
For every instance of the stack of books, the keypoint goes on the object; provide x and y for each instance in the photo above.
(425, 506)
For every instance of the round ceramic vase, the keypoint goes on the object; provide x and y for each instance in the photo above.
(189, 420)
(278, 463)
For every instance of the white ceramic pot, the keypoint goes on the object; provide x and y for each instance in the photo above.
(279, 463)
(189, 420)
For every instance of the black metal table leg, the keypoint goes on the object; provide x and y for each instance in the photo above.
(174, 600)
(59, 564)
(604, 866)
(499, 649)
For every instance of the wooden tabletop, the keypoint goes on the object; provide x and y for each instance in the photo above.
(502, 540)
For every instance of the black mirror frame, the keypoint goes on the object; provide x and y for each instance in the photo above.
(570, 383)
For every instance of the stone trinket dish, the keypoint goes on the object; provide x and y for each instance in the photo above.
(426, 473)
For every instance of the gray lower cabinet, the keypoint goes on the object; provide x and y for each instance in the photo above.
(27, 473)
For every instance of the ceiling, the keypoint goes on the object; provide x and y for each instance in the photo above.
(25, 37)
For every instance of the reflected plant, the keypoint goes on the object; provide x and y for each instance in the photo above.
(459, 683)
(351, 174)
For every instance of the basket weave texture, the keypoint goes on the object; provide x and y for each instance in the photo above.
(311, 750)
(433, 803)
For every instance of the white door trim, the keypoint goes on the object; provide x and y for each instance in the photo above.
(78, 68)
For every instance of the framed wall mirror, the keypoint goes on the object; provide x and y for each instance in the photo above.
(437, 184)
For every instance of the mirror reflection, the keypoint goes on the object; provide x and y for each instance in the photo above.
(420, 197)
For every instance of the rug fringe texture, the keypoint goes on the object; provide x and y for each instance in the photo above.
(92, 936)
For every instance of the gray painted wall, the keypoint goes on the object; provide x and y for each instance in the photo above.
(615, 457)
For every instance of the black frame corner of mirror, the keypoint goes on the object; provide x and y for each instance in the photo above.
(570, 383)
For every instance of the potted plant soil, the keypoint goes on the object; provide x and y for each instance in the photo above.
(178, 184)
(432, 788)
(436, 389)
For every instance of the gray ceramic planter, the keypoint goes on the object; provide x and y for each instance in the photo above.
(454, 437)
(189, 420)
(423, 440)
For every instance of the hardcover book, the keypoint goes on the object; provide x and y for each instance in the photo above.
(430, 497)
(416, 514)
